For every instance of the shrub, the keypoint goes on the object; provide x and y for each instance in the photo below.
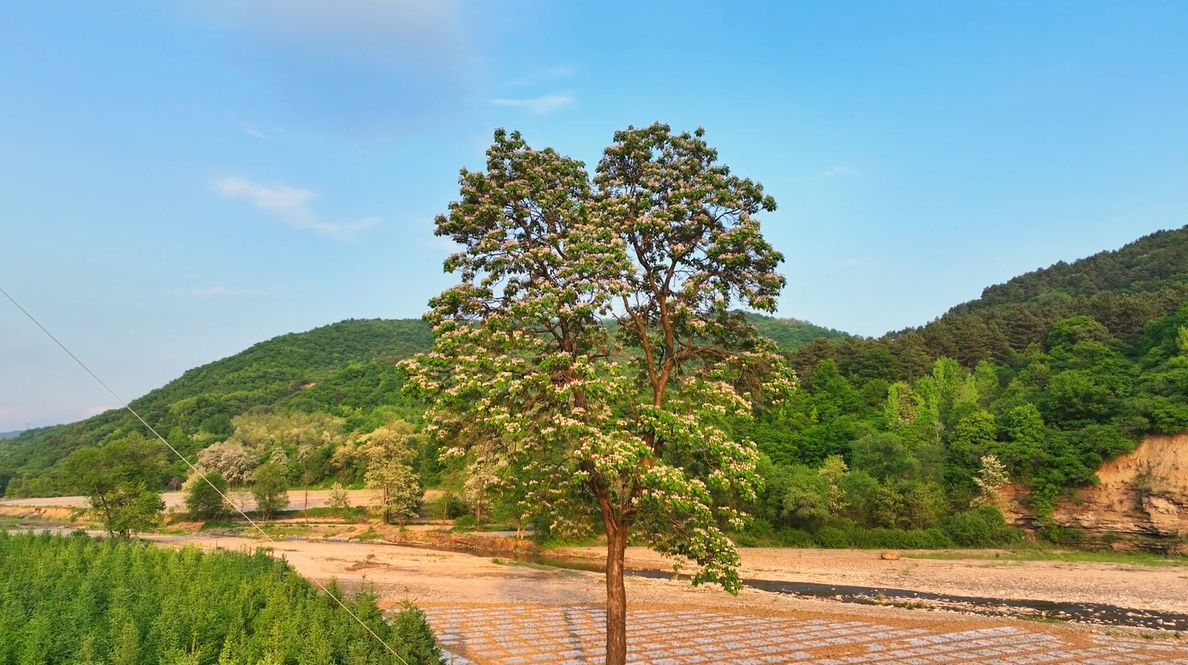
(339, 500)
(793, 538)
(831, 537)
(982, 527)
(270, 489)
(203, 501)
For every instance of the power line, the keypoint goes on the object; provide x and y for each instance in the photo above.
(195, 470)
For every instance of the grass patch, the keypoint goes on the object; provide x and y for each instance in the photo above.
(368, 535)
(524, 564)
(1039, 619)
(349, 515)
(1072, 556)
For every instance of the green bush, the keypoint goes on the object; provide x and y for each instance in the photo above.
(831, 538)
(204, 498)
(73, 599)
(794, 538)
(898, 539)
(981, 527)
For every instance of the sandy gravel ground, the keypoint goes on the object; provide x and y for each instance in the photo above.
(1159, 588)
(1162, 588)
(434, 578)
(492, 613)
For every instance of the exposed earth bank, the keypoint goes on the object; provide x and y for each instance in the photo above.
(1141, 501)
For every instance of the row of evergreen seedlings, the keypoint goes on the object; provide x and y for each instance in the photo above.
(79, 600)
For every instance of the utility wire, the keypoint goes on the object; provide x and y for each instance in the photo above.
(195, 470)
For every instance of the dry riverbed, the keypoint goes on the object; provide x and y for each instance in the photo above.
(1162, 588)
(492, 611)
(431, 577)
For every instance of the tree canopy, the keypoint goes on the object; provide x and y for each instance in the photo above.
(622, 427)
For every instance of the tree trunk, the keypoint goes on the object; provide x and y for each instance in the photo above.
(616, 594)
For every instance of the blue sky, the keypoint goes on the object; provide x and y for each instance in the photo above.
(179, 180)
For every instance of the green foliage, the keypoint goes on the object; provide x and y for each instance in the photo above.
(340, 378)
(78, 600)
(339, 500)
(346, 370)
(981, 527)
(270, 488)
(120, 479)
(791, 334)
(622, 427)
(1053, 373)
(204, 496)
(1050, 417)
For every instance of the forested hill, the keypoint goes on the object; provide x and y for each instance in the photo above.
(346, 370)
(791, 334)
(1049, 375)
(1123, 290)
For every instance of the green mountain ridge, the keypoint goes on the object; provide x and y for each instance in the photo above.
(346, 369)
(1123, 289)
(1052, 373)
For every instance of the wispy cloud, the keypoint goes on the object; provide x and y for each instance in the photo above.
(217, 291)
(853, 263)
(539, 105)
(255, 132)
(839, 171)
(290, 205)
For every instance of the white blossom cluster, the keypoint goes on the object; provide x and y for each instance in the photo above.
(592, 359)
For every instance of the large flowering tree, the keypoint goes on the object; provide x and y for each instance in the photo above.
(592, 356)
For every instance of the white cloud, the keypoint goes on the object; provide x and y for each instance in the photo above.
(255, 132)
(290, 205)
(216, 291)
(539, 105)
(853, 263)
(838, 171)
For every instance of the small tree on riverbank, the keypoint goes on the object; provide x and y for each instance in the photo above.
(122, 480)
(389, 450)
(270, 488)
(625, 429)
(203, 498)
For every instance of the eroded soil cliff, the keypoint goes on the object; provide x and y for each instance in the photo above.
(1141, 495)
